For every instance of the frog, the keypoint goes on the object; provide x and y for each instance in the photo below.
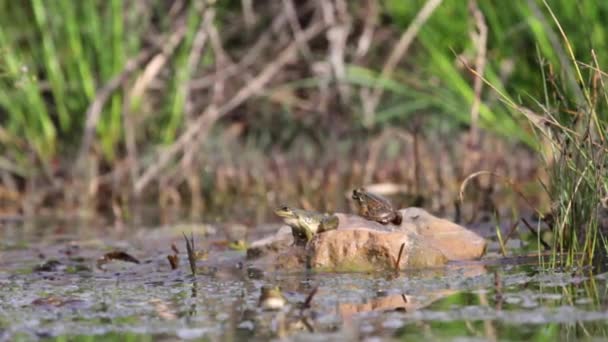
(305, 223)
(374, 207)
(271, 298)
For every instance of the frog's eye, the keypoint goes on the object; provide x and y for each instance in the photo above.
(285, 208)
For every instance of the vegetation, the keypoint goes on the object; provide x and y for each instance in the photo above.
(136, 98)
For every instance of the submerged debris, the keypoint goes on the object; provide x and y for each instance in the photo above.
(308, 300)
(49, 266)
(56, 301)
(191, 253)
(173, 261)
(116, 255)
(174, 258)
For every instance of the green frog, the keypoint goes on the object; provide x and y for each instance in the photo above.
(271, 298)
(376, 208)
(305, 224)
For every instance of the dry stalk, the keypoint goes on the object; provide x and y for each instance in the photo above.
(505, 179)
(365, 39)
(396, 55)
(376, 145)
(252, 56)
(296, 28)
(480, 38)
(191, 252)
(337, 36)
(249, 17)
(546, 246)
(212, 113)
(93, 113)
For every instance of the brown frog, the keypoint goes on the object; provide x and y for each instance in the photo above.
(376, 208)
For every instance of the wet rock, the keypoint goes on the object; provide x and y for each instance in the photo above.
(362, 245)
(272, 244)
(363, 249)
(453, 240)
(293, 258)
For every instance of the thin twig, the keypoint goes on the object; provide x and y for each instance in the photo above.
(253, 55)
(212, 114)
(337, 36)
(198, 46)
(505, 179)
(536, 235)
(397, 54)
(365, 39)
(249, 17)
(296, 28)
(399, 256)
(309, 298)
(480, 38)
(93, 113)
(156, 64)
(377, 144)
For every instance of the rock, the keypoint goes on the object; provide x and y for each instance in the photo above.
(453, 240)
(272, 244)
(364, 249)
(277, 252)
(361, 245)
(348, 221)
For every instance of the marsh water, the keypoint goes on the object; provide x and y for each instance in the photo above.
(52, 287)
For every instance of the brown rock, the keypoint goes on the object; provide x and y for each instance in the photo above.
(293, 259)
(363, 249)
(361, 245)
(348, 221)
(271, 245)
(455, 241)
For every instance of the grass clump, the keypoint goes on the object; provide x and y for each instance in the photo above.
(571, 123)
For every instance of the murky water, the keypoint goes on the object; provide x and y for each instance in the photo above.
(53, 288)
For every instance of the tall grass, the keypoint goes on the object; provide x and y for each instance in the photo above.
(56, 55)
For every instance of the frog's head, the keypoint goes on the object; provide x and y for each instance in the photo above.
(271, 298)
(285, 212)
(359, 194)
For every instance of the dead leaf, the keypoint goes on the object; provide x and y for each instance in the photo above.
(116, 255)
